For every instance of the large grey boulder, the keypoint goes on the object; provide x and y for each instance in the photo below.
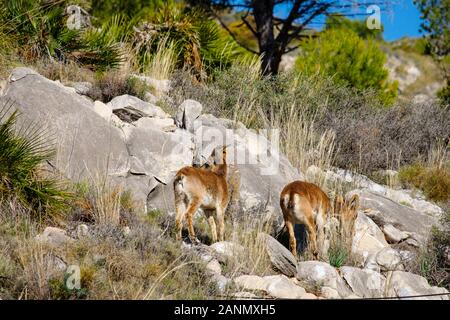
(414, 200)
(166, 125)
(187, 113)
(405, 284)
(280, 257)
(157, 153)
(364, 283)
(368, 238)
(86, 143)
(262, 173)
(404, 218)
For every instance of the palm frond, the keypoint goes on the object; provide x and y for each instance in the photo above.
(24, 151)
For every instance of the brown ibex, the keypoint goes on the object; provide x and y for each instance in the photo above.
(305, 203)
(207, 189)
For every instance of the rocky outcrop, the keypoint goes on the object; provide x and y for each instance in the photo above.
(86, 142)
(137, 145)
(386, 211)
(318, 274)
(406, 284)
(280, 257)
(368, 238)
(364, 283)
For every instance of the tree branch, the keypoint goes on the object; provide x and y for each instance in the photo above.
(250, 27)
(232, 34)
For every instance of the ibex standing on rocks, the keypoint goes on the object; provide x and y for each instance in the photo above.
(305, 203)
(207, 189)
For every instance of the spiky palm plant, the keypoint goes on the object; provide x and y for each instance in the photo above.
(39, 28)
(193, 35)
(23, 152)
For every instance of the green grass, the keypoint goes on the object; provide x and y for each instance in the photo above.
(337, 255)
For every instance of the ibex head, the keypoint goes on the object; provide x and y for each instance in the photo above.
(346, 210)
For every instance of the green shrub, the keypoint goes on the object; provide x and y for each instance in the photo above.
(103, 9)
(21, 175)
(337, 255)
(349, 60)
(196, 39)
(434, 181)
(444, 94)
(357, 26)
(39, 29)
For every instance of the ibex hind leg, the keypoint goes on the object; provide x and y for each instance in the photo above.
(212, 224)
(180, 210)
(322, 241)
(220, 220)
(193, 206)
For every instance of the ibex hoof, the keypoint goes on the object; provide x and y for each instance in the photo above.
(194, 240)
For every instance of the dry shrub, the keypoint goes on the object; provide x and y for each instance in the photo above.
(112, 84)
(38, 269)
(103, 202)
(309, 109)
(160, 64)
(371, 139)
(65, 72)
(253, 259)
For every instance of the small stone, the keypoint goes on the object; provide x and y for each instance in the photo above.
(227, 250)
(221, 282)
(393, 235)
(250, 282)
(389, 259)
(214, 267)
(54, 236)
(82, 231)
(126, 231)
(329, 293)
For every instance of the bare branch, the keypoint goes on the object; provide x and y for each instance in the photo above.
(249, 26)
(232, 34)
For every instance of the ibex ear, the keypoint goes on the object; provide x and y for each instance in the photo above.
(338, 204)
(354, 202)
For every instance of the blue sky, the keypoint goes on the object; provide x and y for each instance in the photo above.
(401, 20)
(404, 20)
